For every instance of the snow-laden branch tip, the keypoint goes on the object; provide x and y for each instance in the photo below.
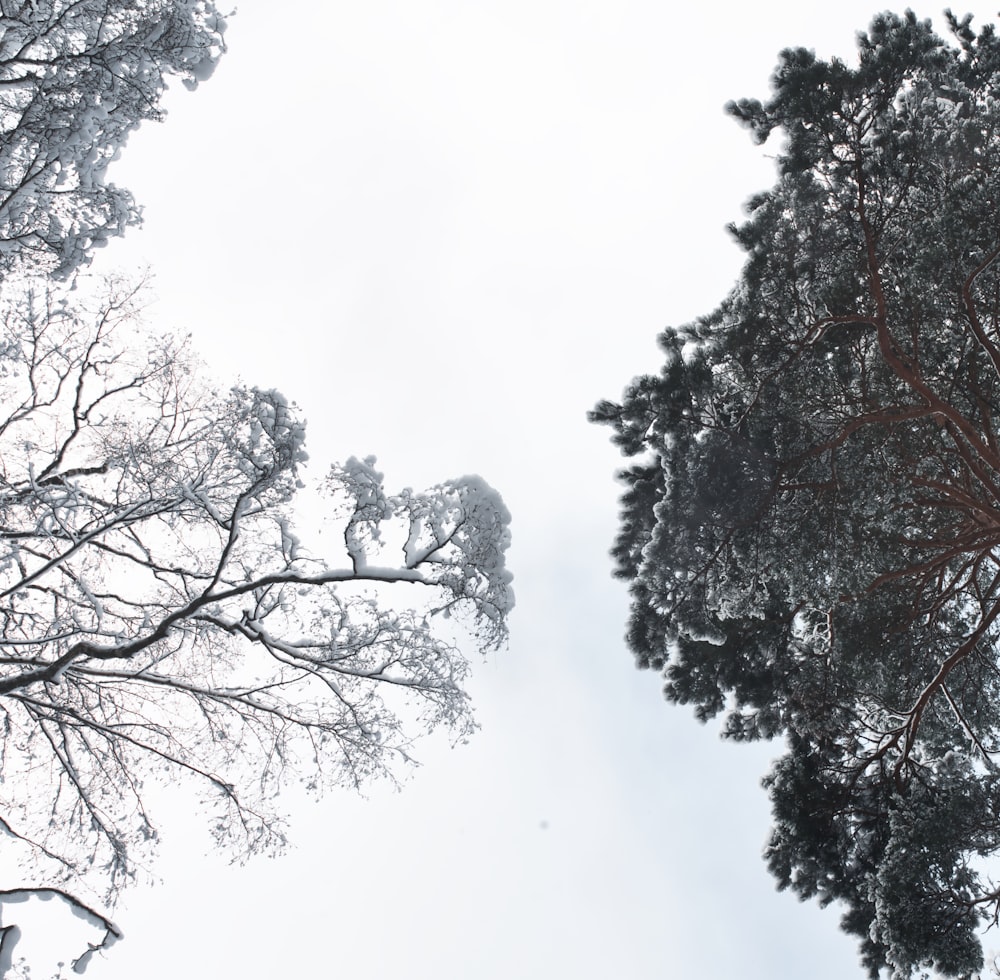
(10, 934)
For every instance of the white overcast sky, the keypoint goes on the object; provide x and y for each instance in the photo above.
(446, 229)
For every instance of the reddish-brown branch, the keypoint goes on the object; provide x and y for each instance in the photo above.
(991, 349)
(915, 714)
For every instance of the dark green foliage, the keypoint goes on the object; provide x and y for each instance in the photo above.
(811, 529)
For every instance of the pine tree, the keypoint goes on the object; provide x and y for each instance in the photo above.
(811, 526)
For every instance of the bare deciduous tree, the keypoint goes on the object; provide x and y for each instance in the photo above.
(159, 616)
(76, 77)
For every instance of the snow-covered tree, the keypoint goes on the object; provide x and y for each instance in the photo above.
(160, 618)
(811, 529)
(76, 77)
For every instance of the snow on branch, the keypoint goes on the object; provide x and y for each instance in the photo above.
(10, 934)
(162, 616)
(76, 78)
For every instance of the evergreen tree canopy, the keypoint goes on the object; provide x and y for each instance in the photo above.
(811, 526)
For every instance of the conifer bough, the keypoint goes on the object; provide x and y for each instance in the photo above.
(811, 525)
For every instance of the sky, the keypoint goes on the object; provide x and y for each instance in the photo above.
(446, 228)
